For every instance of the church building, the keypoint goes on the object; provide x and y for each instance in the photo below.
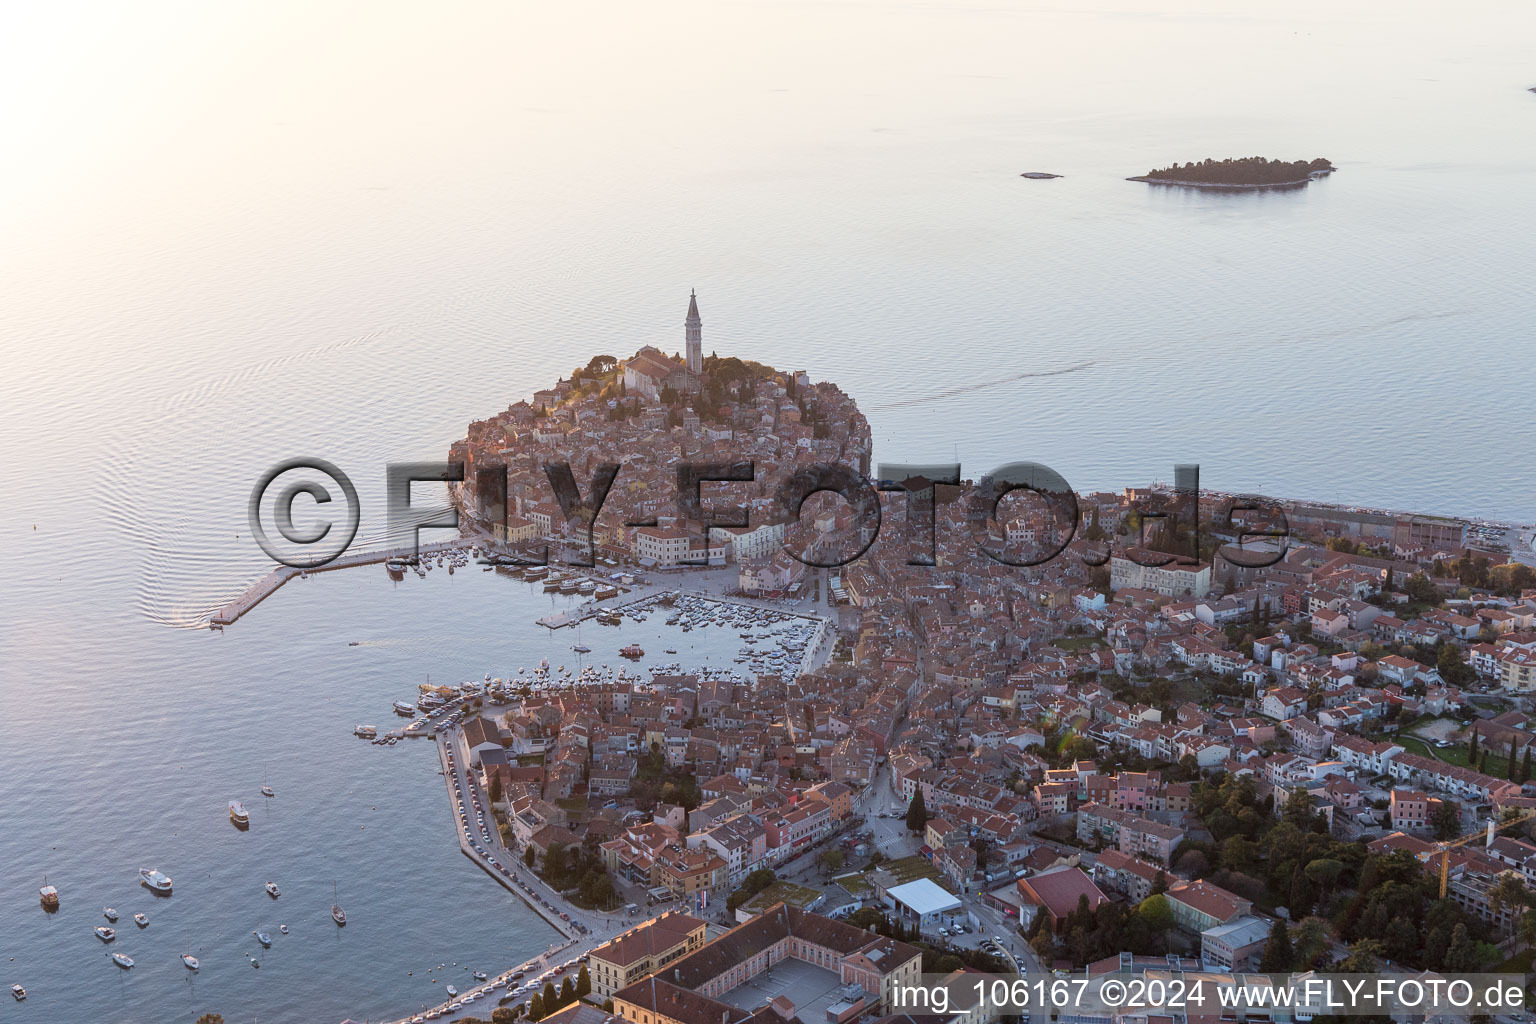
(650, 370)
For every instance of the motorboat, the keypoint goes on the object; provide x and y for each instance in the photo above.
(122, 961)
(267, 791)
(238, 815)
(480, 975)
(48, 896)
(142, 920)
(109, 914)
(156, 881)
(367, 732)
(263, 938)
(272, 890)
(190, 961)
(106, 933)
(404, 708)
(451, 990)
(19, 992)
(283, 928)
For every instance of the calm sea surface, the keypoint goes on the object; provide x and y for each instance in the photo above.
(231, 234)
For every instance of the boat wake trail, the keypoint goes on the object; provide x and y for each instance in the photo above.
(966, 389)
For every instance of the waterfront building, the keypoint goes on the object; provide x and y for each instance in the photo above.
(642, 951)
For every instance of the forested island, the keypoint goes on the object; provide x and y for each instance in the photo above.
(1243, 172)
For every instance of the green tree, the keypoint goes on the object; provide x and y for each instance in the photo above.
(529, 857)
(1363, 954)
(567, 992)
(551, 997)
(1510, 891)
(832, 861)
(1156, 913)
(503, 1015)
(1325, 871)
(536, 1006)
(583, 982)
(1278, 953)
(1472, 747)
(1447, 820)
(917, 814)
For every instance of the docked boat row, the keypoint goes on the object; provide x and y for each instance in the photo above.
(450, 558)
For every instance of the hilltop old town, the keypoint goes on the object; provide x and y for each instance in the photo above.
(1182, 744)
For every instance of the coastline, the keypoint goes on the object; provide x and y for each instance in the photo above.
(1232, 186)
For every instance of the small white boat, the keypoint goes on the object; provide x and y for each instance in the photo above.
(155, 881)
(190, 961)
(122, 961)
(267, 791)
(238, 814)
(109, 914)
(367, 732)
(451, 990)
(404, 708)
(272, 890)
(480, 975)
(283, 928)
(106, 934)
(19, 992)
(142, 920)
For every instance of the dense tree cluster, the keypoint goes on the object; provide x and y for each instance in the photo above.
(1384, 905)
(1248, 170)
(1096, 933)
(655, 783)
(579, 868)
(1397, 906)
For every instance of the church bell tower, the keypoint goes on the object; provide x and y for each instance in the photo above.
(695, 328)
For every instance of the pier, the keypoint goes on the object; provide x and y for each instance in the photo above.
(270, 583)
(581, 613)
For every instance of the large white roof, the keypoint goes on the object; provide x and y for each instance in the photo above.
(924, 897)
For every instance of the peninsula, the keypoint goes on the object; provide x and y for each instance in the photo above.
(647, 413)
(1243, 173)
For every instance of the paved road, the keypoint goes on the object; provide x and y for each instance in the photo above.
(561, 956)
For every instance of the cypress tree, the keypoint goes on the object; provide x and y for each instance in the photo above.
(917, 814)
(1525, 767)
(1472, 747)
(1278, 952)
